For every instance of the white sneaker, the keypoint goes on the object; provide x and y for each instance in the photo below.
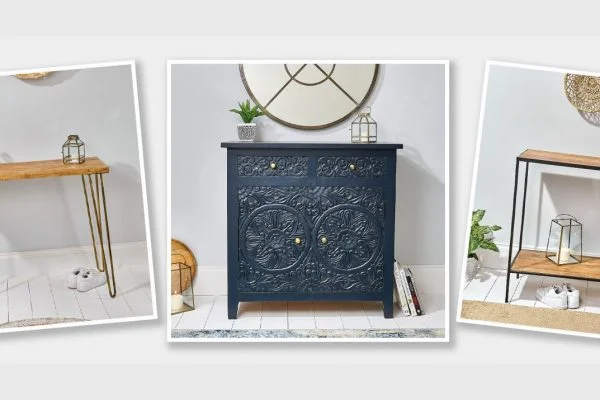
(90, 279)
(553, 296)
(572, 295)
(72, 279)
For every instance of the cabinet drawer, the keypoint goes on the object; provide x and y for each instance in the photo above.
(272, 165)
(351, 166)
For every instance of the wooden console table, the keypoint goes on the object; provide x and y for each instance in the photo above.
(92, 168)
(532, 262)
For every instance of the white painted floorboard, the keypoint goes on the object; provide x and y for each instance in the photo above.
(211, 311)
(489, 284)
(19, 300)
(3, 302)
(65, 300)
(42, 300)
(33, 285)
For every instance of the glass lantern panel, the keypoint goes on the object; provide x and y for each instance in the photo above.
(182, 288)
(73, 152)
(364, 132)
(564, 241)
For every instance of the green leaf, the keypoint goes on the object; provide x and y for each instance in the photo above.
(477, 238)
(247, 111)
(477, 216)
(489, 245)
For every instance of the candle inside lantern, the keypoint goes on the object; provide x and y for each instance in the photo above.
(176, 302)
(563, 255)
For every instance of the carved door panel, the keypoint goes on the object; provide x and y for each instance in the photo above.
(310, 239)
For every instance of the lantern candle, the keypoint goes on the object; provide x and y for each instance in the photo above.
(563, 255)
(176, 302)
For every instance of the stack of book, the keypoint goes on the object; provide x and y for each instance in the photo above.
(406, 291)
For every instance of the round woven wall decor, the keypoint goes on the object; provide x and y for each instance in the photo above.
(583, 92)
(33, 75)
(180, 253)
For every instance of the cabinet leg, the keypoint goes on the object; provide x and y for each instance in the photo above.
(232, 308)
(99, 228)
(388, 308)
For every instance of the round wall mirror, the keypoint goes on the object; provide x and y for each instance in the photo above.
(309, 96)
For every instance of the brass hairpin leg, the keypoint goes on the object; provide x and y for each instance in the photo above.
(98, 200)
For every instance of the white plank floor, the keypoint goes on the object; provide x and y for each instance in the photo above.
(33, 285)
(489, 284)
(211, 311)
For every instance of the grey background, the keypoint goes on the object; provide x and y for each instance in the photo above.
(408, 104)
(470, 345)
(35, 119)
(529, 109)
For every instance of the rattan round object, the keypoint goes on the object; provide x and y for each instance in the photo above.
(33, 75)
(583, 92)
(180, 253)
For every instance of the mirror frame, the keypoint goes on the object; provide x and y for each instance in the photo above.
(312, 127)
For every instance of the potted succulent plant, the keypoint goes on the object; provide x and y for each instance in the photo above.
(247, 130)
(482, 237)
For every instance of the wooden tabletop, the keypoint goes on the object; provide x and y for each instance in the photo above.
(50, 168)
(562, 159)
(535, 262)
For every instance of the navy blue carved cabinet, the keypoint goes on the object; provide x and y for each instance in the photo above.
(310, 221)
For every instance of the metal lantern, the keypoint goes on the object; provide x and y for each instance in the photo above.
(364, 128)
(565, 240)
(182, 288)
(73, 150)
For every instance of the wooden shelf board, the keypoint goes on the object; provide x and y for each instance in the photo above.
(50, 168)
(564, 159)
(535, 262)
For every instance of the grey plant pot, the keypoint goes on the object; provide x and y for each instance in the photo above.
(247, 132)
(472, 268)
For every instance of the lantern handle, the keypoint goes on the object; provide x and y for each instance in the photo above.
(365, 111)
(566, 215)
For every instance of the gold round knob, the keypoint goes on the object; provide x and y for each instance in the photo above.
(273, 165)
(298, 241)
(352, 167)
(323, 240)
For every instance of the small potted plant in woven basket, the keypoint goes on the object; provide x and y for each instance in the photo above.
(482, 237)
(247, 130)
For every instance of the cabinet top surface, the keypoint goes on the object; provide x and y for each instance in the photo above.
(313, 145)
(50, 168)
(564, 159)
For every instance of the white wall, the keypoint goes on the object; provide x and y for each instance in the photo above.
(408, 104)
(529, 109)
(35, 119)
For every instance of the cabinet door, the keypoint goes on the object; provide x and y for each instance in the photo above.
(310, 239)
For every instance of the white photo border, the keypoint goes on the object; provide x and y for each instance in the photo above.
(154, 315)
(446, 63)
(488, 64)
